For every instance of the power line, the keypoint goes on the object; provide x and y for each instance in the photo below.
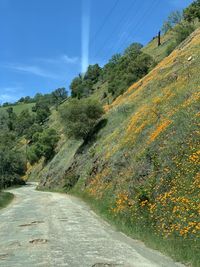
(129, 30)
(129, 26)
(121, 20)
(104, 21)
(137, 26)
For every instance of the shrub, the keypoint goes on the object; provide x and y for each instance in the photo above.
(42, 111)
(59, 95)
(192, 12)
(171, 48)
(80, 116)
(24, 121)
(82, 85)
(12, 162)
(30, 132)
(173, 19)
(122, 71)
(47, 142)
(32, 155)
(182, 31)
(44, 145)
(12, 165)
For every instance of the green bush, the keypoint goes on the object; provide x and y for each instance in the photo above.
(47, 142)
(59, 95)
(12, 166)
(192, 12)
(12, 162)
(173, 19)
(82, 86)
(11, 121)
(171, 48)
(122, 71)
(80, 116)
(42, 111)
(35, 128)
(24, 121)
(44, 145)
(32, 155)
(182, 31)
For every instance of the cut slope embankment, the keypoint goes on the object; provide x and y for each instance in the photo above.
(142, 168)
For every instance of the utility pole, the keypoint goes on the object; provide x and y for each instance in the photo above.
(159, 38)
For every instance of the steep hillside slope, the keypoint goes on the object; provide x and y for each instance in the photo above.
(142, 168)
(51, 174)
(158, 53)
(167, 40)
(148, 149)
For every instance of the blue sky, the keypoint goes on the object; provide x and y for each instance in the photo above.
(46, 43)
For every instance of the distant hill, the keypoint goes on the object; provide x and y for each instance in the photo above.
(19, 107)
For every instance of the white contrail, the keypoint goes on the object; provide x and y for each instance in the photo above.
(85, 34)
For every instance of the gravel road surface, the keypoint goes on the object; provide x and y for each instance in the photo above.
(54, 230)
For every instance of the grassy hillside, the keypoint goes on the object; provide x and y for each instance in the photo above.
(19, 107)
(144, 165)
(159, 53)
(141, 170)
(167, 39)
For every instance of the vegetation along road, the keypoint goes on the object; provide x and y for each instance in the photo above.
(52, 229)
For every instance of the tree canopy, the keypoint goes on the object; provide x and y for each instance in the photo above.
(82, 85)
(80, 116)
(192, 12)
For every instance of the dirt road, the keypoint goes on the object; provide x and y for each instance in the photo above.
(51, 229)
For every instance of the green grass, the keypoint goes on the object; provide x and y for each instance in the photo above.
(158, 53)
(5, 199)
(153, 127)
(55, 170)
(120, 158)
(178, 249)
(19, 108)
